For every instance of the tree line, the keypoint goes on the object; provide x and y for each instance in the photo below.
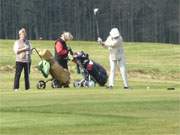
(138, 20)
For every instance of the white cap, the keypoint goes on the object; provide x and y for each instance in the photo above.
(67, 35)
(114, 33)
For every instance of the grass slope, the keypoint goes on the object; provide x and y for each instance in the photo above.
(148, 109)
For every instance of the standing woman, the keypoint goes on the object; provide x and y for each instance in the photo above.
(22, 49)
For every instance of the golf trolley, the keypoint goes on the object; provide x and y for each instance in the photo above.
(46, 68)
(92, 72)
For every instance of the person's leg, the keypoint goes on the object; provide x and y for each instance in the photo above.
(26, 75)
(112, 72)
(122, 67)
(18, 71)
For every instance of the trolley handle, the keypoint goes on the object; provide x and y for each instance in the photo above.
(36, 52)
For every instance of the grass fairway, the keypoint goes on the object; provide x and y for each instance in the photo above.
(148, 109)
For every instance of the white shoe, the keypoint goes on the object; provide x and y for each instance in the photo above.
(15, 90)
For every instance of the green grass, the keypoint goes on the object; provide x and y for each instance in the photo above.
(90, 111)
(148, 109)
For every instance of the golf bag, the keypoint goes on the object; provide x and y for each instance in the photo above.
(92, 71)
(48, 65)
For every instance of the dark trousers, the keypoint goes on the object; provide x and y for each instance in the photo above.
(63, 63)
(19, 67)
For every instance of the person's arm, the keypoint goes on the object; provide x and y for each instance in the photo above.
(60, 50)
(15, 47)
(22, 50)
(109, 42)
(99, 40)
(18, 50)
(113, 42)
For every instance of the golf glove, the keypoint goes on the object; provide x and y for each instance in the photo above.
(99, 40)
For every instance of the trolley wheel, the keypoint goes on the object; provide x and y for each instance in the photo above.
(41, 84)
(91, 83)
(77, 84)
(85, 84)
(55, 84)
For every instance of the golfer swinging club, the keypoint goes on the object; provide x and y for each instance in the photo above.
(114, 43)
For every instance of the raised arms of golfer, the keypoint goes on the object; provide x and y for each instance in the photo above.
(110, 42)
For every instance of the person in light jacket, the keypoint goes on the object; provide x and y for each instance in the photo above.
(22, 49)
(114, 43)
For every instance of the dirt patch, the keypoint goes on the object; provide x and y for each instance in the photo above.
(8, 68)
(154, 74)
(136, 73)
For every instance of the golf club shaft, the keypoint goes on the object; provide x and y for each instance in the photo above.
(97, 26)
(96, 21)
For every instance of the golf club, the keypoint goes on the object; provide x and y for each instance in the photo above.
(96, 20)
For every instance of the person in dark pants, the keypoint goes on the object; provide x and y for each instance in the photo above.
(62, 51)
(22, 49)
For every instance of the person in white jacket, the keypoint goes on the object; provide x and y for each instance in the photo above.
(114, 43)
